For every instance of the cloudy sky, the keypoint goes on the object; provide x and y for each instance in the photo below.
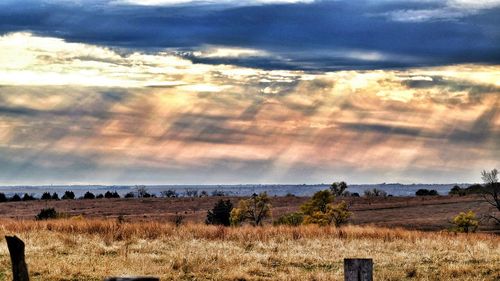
(252, 91)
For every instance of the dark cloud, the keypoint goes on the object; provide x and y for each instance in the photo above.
(314, 36)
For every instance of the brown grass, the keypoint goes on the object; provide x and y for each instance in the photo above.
(90, 249)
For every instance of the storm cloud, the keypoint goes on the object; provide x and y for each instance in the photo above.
(309, 35)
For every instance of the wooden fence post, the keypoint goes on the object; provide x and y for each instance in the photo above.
(358, 270)
(132, 279)
(16, 250)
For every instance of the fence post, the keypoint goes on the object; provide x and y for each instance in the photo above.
(132, 279)
(16, 250)
(358, 270)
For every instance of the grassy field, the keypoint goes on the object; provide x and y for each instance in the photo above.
(425, 213)
(90, 249)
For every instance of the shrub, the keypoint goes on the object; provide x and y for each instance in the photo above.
(88, 195)
(293, 219)
(46, 196)
(55, 196)
(99, 196)
(220, 214)
(3, 198)
(68, 195)
(465, 222)
(15, 198)
(45, 214)
(254, 210)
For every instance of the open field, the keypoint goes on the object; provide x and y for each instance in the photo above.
(424, 213)
(80, 249)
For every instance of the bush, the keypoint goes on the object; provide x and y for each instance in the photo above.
(465, 222)
(3, 198)
(68, 195)
(293, 219)
(88, 195)
(220, 214)
(15, 198)
(99, 196)
(45, 214)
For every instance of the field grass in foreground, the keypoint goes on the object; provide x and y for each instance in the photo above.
(69, 249)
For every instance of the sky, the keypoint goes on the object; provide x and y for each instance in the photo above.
(252, 91)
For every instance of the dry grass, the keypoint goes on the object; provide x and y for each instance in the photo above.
(70, 249)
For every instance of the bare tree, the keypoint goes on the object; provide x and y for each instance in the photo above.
(491, 190)
(142, 191)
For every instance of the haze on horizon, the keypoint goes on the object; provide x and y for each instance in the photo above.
(255, 91)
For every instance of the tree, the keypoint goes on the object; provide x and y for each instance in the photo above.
(426, 192)
(191, 192)
(129, 195)
(375, 192)
(338, 188)
(28, 197)
(55, 196)
(169, 193)
(15, 198)
(321, 210)
(220, 214)
(254, 210)
(318, 202)
(491, 190)
(46, 196)
(142, 191)
(68, 195)
(3, 198)
(466, 222)
(110, 194)
(88, 195)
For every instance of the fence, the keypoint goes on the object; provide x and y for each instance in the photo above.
(354, 269)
